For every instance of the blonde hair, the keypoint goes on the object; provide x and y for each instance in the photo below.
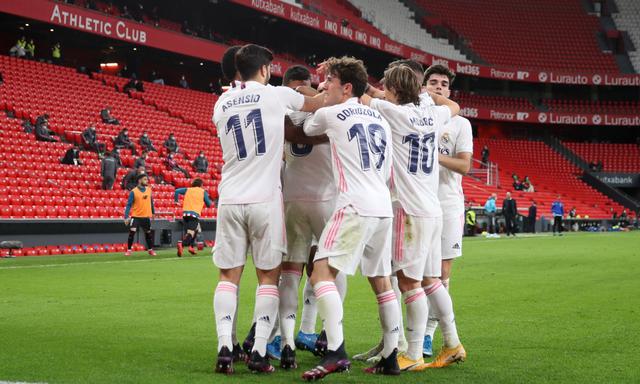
(403, 81)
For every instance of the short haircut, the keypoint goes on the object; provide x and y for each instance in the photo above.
(250, 58)
(439, 69)
(349, 70)
(228, 63)
(296, 72)
(404, 83)
(197, 182)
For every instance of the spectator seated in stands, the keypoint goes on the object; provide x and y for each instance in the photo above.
(43, 133)
(171, 144)
(106, 117)
(126, 14)
(593, 167)
(108, 171)
(145, 143)
(42, 119)
(624, 218)
(141, 161)
(156, 78)
(27, 126)
(573, 213)
(72, 156)
(123, 141)
(599, 166)
(183, 82)
(129, 181)
(133, 84)
(527, 186)
(30, 50)
(517, 184)
(19, 50)
(173, 165)
(200, 164)
(89, 140)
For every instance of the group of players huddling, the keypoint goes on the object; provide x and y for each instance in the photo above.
(373, 177)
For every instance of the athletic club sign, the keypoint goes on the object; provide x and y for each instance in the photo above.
(97, 24)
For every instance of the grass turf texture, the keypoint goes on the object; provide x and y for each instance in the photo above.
(539, 309)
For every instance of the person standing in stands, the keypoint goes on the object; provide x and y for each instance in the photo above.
(485, 157)
(141, 161)
(200, 164)
(56, 53)
(194, 199)
(171, 144)
(116, 156)
(510, 212)
(145, 143)
(72, 156)
(531, 219)
(106, 117)
(89, 140)
(490, 211)
(123, 141)
(557, 210)
(138, 213)
(183, 82)
(30, 50)
(108, 170)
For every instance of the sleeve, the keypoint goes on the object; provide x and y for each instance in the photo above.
(464, 142)
(178, 192)
(289, 98)
(443, 114)
(207, 200)
(102, 168)
(317, 124)
(153, 207)
(386, 109)
(129, 204)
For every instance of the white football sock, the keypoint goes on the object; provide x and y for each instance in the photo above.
(234, 333)
(341, 284)
(289, 284)
(224, 308)
(402, 340)
(416, 303)
(309, 309)
(432, 323)
(440, 301)
(267, 301)
(389, 319)
(330, 310)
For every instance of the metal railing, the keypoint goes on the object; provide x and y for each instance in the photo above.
(486, 172)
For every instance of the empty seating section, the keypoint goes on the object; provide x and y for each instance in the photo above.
(339, 11)
(550, 174)
(558, 34)
(586, 106)
(482, 101)
(398, 22)
(74, 101)
(614, 157)
(628, 20)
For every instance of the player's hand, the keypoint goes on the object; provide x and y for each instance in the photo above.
(127, 221)
(307, 91)
(322, 68)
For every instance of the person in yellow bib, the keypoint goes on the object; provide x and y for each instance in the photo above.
(195, 198)
(139, 212)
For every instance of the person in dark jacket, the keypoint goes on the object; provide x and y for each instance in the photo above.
(108, 170)
(72, 156)
(43, 133)
(90, 140)
(200, 164)
(133, 84)
(509, 211)
(141, 161)
(106, 117)
(123, 141)
(485, 157)
(171, 144)
(116, 156)
(173, 165)
(129, 181)
(146, 144)
(531, 219)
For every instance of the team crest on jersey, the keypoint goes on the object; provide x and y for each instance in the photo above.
(444, 139)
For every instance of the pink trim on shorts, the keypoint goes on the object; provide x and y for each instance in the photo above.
(334, 229)
(400, 215)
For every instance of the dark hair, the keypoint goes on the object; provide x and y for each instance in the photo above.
(414, 65)
(439, 69)
(228, 63)
(350, 70)
(404, 83)
(296, 72)
(250, 58)
(197, 182)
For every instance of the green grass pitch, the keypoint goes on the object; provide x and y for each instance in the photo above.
(529, 310)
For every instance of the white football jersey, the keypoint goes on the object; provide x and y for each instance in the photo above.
(426, 100)
(359, 138)
(250, 123)
(308, 175)
(456, 137)
(415, 154)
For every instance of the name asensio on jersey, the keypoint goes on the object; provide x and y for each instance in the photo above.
(245, 99)
(358, 111)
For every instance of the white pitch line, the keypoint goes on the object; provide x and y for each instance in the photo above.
(18, 382)
(94, 262)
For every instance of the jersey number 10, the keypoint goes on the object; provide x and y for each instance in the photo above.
(254, 119)
(422, 151)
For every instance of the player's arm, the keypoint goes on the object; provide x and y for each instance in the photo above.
(461, 163)
(127, 209)
(441, 100)
(312, 104)
(153, 207)
(374, 92)
(207, 200)
(316, 126)
(295, 134)
(178, 192)
(366, 100)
